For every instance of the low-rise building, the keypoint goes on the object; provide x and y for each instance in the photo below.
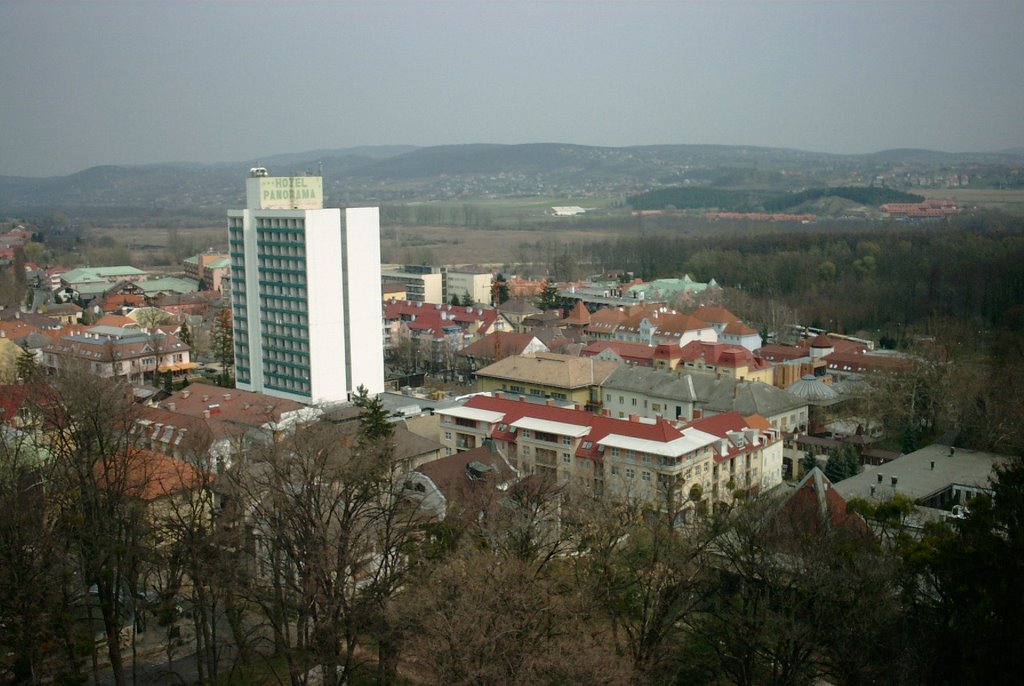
(548, 375)
(423, 283)
(474, 285)
(676, 395)
(131, 354)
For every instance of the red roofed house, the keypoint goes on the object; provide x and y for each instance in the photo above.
(648, 459)
(203, 419)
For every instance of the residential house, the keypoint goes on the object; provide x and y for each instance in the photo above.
(203, 420)
(516, 310)
(65, 313)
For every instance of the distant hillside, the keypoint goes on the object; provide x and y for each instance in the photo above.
(727, 177)
(861, 195)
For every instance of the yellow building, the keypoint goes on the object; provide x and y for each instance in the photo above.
(549, 375)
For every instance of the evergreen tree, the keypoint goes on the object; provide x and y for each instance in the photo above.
(26, 366)
(548, 298)
(185, 334)
(373, 418)
(223, 345)
(455, 300)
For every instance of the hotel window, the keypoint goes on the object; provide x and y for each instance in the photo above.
(646, 476)
(566, 440)
(630, 473)
(567, 458)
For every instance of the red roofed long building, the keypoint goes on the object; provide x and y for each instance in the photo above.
(653, 460)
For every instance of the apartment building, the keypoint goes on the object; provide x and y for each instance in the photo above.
(654, 460)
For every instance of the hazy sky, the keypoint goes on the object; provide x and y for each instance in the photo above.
(87, 83)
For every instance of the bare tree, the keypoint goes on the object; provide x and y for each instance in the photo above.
(329, 532)
(97, 475)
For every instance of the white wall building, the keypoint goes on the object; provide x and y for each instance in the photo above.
(303, 292)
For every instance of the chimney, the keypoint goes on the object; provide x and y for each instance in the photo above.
(894, 479)
(872, 490)
(550, 402)
(879, 478)
(605, 412)
(186, 393)
(522, 398)
(171, 406)
(227, 396)
(579, 408)
(634, 418)
(933, 465)
(499, 395)
(206, 397)
(206, 414)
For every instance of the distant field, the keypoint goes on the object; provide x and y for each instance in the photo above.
(456, 245)
(1008, 200)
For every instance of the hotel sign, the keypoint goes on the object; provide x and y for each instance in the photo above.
(291, 192)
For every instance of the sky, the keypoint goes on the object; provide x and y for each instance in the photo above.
(137, 82)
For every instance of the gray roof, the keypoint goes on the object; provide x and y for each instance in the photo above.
(748, 397)
(813, 390)
(714, 393)
(655, 382)
(917, 478)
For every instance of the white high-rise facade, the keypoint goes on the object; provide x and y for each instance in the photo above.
(305, 284)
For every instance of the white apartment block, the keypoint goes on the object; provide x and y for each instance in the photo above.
(304, 292)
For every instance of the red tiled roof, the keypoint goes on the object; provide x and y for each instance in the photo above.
(579, 316)
(723, 355)
(600, 426)
(149, 475)
(496, 345)
(714, 315)
(636, 353)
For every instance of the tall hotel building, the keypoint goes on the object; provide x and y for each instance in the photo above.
(305, 285)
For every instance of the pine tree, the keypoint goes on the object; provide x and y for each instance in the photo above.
(26, 366)
(373, 418)
(223, 345)
(548, 298)
(185, 334)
